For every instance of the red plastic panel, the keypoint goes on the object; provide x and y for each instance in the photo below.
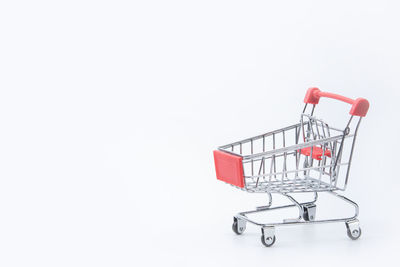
(229, 168)
(317, 152)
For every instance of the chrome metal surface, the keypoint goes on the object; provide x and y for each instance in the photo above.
(285, 222)
(303, 157)
(306, 157)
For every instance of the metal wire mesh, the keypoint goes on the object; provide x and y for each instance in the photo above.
(304, 157)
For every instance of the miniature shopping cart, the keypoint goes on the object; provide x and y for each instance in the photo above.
(306, 157)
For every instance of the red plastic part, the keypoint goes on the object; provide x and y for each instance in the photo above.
(359, 106)
(312, 96)
(317, 152)
(229, 168)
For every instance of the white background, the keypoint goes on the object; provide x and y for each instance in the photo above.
(110, 111)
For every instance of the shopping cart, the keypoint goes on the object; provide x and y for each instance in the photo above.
(306, 157)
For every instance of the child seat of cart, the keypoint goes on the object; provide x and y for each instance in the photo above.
(316, 152)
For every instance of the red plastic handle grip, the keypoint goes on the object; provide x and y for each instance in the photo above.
(359, 106)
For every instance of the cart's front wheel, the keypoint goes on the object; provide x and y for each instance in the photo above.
(238, 226)
(353, 229)
(355, 234)
(267, 241)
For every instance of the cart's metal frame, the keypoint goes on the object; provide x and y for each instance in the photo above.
(307, 211)
(315, 133)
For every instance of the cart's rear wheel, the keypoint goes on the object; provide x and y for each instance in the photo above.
(309, 212)
(305, 216)
(268, 241)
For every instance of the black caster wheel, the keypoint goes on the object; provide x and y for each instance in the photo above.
(268, 241)
(305, 215)
(238, 226)
(309, 212)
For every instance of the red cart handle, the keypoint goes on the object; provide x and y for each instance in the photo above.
(359, 106)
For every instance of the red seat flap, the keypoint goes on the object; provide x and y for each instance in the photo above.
(316, 153)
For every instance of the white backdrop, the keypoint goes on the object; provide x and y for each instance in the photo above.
(110, 111)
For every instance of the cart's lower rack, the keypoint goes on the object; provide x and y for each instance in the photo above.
(307, 212)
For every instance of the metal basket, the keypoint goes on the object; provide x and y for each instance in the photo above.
(310, 156)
